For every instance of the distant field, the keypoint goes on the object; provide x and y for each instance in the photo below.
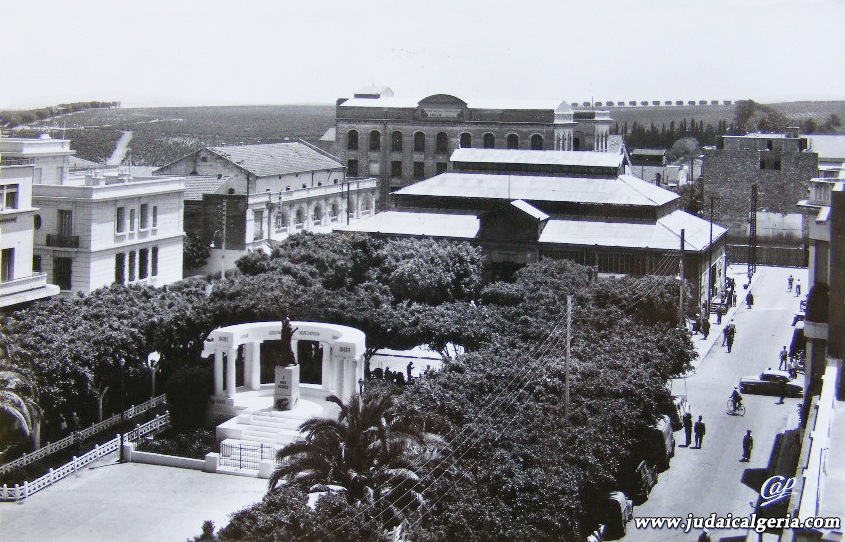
(163, 134)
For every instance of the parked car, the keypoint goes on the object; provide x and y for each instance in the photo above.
(642, 480)
(676, 413)
(616, 512)
(769, 382)
(661, 443)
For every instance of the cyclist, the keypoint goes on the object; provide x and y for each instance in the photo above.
(736, 397)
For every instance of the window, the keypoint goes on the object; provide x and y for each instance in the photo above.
(536, 142)
(441, 167)
(352, 168)
(145, 220)
(143, 262)
(36, 222)
(466, 141)
(419, 170)
(7, 264)
(419, 142)
(441, 145)
(131, 219)
(777, 164)
(154, 262)
(119, 219)
(120, 268)
(204, 159)
(65, 223)
(155, 216)
(318, 215)
(374, 168)
(36, 263)
(512, 141)
(9, 198)
(334, 211)
(762, 164)
(258, 225)
(489, 141)
(396, 142)
(352, 140)
(131, 266)
(299, 218)
(62, 268)
(396, 168)
(375, 140)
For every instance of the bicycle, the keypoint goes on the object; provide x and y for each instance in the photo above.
(731, 411)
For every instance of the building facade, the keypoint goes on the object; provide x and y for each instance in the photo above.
(521, 206)
(402, 141)
(18, 282)
(240, 197)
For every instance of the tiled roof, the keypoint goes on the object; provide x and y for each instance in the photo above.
(197, 185)
(623, 190)
(518, 156)
(276, 158)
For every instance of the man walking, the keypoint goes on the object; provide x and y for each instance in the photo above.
(705, 327)
(789, 283)
(784, 356)
(688, 427)
(747, 445)
(797, 287)
(699, 429)
(730, 332)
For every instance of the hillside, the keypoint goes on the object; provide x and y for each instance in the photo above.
(163, 134)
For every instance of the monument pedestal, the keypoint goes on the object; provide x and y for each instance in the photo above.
(286, 390)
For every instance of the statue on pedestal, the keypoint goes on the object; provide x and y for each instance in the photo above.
(287, 358)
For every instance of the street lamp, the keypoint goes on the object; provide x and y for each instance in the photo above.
(152, 364)
(222, 250)
(122, 363)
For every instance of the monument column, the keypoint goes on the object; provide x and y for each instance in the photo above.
(231, 356)
(218, 373)
(255, 367)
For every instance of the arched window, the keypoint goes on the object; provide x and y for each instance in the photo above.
(352, 140)
(419, 142)
(375, 140)
(466, 140)
(300, 217)
(442, 144)
(396, 141)
(513, 141)
(334, 210)
(489, 141)
(536, 142)
(318, 215)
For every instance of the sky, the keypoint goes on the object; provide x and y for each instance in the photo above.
(224, 52)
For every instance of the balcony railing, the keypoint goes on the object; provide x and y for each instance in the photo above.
(62, 241)
(23, 284)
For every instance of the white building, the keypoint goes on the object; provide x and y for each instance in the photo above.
(18, 282)
(98, 228)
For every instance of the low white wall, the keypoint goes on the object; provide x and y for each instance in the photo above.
(134, 456)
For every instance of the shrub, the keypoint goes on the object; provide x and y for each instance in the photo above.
(193, 443)
(188, 390)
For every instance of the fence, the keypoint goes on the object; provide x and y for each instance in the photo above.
(770, 255)
(23, 491)
(77, 436)
(245, 456)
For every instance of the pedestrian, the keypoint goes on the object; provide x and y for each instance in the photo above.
(797, 287)
(782, 391)
(749, 299)
(789, 283)
(62, 425)
(408, 369)
(699, 429)
(725, 332)
(720, 311)
(688, 427)
(705, 327)
(747, 445)
(784, 356)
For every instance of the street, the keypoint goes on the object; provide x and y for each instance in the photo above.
(708, 480)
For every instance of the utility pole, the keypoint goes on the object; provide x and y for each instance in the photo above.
(710, 260)
(568, 351)
(223, 243)
(752, 234)
(681, 323)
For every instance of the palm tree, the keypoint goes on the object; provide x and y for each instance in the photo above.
(18, 403)
(374, 455)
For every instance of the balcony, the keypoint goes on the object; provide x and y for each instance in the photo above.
(25, 289)
(62, 241)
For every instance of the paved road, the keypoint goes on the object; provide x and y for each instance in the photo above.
(710, 479)
(120, 149)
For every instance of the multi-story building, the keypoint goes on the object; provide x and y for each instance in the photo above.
(18, 282)
(401, 141)
(522, 205)
(94, 229)
(267, 192)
